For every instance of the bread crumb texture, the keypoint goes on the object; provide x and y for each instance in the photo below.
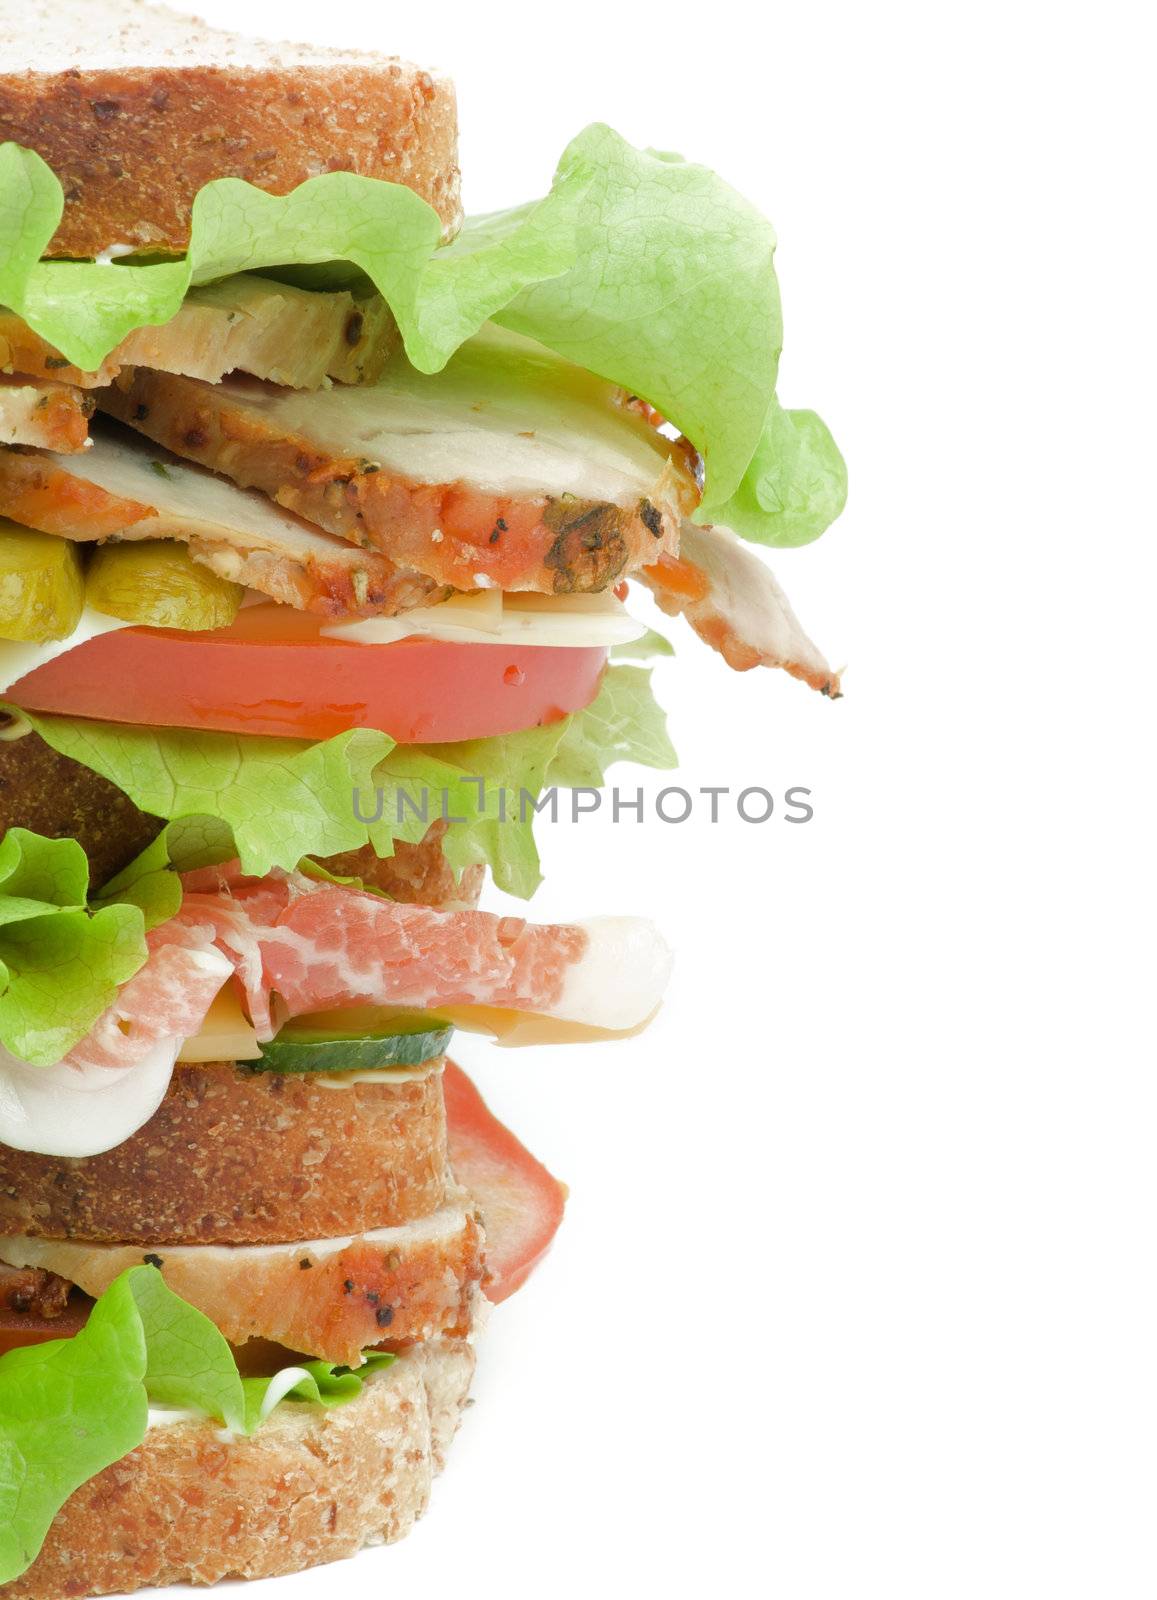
(193, 1504)
(135, 108)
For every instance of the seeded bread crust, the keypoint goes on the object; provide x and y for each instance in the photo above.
(194, 1505)
(236, 1157)
(160, 105)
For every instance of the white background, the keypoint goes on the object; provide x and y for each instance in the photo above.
(855, 1294)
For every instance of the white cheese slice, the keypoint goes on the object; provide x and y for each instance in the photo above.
(491, 617)
(225, 1035)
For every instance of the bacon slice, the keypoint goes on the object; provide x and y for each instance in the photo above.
(311, 947)
(735, 605)
(335, 949)
(167, 999)
(51, 415)
(400, 1284)
(246, 323)
(511, 468)
(324, 947)
(120, 488)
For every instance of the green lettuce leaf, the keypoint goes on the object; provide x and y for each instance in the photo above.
(68, 1409)
(61, 963)
(151, 881)
(314, 1381)
(485, 786)
(39, 875)
(641, 267)
(272, 802)
(477, 785)
(282, 798)
(795, 486)
(647, 645)
(190, 1364)
(623, 723)
(71, 1407)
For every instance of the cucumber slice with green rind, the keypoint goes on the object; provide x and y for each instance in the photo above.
(408, 1042)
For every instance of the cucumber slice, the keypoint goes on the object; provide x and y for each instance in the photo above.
(403, 1042)
(158, 584)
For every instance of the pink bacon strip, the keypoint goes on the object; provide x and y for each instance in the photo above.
(337, 947)
(318, 947)
(167, 999)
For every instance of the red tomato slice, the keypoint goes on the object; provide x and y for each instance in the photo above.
(275, 674)
(521, 1203)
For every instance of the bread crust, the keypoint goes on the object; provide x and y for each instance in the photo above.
(236, 1157)
(193, 1505)
(416, 874)
(133, 145)
(62, 799)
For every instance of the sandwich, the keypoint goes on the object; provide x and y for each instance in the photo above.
(321, 512)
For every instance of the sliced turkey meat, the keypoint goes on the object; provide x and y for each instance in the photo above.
(241, 324)
(39, 412)
(511, 468)
(123, 489)
(734, 604)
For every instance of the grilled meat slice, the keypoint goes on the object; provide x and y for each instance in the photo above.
(241, 324)
(37, 411)
(735, 605)
(403, 1284)
(510, 469)
(123, 489)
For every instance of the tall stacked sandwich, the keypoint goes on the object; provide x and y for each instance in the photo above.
(320, 507)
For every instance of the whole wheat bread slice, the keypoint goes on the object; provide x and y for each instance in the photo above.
(136, 107)
(193, 1504)
(242, 1157)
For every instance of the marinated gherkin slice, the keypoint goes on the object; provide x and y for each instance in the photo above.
(41, 585)
(158, 584)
